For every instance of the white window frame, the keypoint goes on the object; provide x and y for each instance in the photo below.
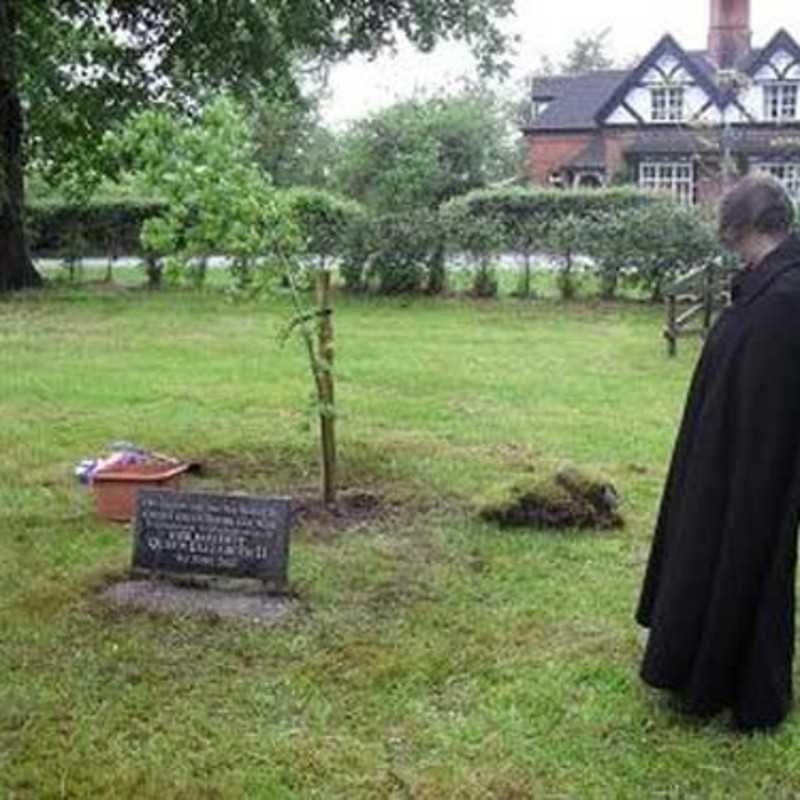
(667, 103)
(781, 101)
(787, 173)
(675, 177)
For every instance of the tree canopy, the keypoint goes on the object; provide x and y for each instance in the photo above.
(588, 53)
(420, 152)
(69, 69)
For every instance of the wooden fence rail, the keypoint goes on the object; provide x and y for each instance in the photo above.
(693, 301)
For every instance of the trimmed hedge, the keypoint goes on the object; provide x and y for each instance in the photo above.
(107, 227)
(631, 236)
(545, 206)
(640, 237)
(97, 229)
(325, 221)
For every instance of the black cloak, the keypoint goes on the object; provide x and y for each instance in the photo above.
(719, 591)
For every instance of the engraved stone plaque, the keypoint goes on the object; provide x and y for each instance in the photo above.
(211, 534)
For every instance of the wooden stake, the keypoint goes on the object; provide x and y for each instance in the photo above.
(326, 388)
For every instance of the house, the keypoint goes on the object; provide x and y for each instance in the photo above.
(681, 121)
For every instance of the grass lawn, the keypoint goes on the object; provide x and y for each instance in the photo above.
(434, 656)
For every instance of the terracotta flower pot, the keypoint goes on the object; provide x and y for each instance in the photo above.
(115, 489)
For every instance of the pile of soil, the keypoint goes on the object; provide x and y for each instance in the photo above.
(568, 499)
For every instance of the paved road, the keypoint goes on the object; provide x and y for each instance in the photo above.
(506, 262)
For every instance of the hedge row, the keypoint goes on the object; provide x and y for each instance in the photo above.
(633, 236)
(106, 227)
(549, 205)
(98, 229)
(628, 234)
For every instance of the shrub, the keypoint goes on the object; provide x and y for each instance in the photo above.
(479, 236)
(529, 220)
(395, 254)
(645, 238)
(565, 238)
(650, 246)
(324, 222)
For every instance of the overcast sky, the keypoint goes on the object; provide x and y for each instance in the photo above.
(547, 27)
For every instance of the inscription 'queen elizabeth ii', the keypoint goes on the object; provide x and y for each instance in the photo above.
(228, 535)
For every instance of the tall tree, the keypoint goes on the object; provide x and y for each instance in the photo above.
(16, 268)
(292, 143)
(588, 54)
(76, 66)
(419, 153)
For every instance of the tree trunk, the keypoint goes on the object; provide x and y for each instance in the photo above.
(526, 282)
(609, 283)
(16, 268)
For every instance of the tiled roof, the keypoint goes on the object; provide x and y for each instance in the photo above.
(575, 99)
(673, 141)
(677, 141)
(769, 142)
(701, 59)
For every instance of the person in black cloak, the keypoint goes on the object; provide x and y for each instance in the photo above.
(719, 591)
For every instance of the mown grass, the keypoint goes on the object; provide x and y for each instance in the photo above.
(433, 656)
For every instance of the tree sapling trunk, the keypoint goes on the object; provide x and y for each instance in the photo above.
(319, 344)
(327, 397)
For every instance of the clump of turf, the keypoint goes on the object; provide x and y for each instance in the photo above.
(568, 499)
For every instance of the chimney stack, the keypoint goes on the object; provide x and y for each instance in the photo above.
(729, 37)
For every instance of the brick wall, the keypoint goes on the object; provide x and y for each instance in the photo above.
(547, 153)
(616, 144)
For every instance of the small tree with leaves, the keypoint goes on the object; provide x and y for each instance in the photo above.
(217, 200)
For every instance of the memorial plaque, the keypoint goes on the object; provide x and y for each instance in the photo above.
(210, 534)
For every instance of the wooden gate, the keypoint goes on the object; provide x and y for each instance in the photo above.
(693, 302)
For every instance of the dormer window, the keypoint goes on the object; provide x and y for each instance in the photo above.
(667, 104)
(780, 101)
(540, 105)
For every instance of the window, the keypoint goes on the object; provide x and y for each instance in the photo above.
(674, 177)
(787, 174)
(667, 104)
(780, 101)
(539, 107)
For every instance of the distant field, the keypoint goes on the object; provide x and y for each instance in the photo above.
(435, 656)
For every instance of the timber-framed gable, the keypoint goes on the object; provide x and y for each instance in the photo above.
(679, 119)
